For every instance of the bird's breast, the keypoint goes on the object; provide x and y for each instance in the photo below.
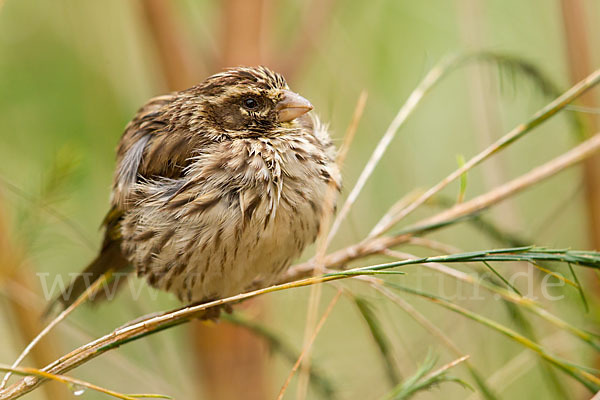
(244, 211)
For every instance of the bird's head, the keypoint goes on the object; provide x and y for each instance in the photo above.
(250, 102)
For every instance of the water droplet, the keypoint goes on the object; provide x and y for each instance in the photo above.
(78, 390)
(29, 380)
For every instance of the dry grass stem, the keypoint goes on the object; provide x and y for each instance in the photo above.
(526, 303)
(352, 128)
(60, 317)
(406, 110)
(16, 285)
(142, 328)
(581, 374)
(375, 245)
(483, 96)
(77, 385)
(555, 275)
(418, 317)
(580, 59)
(447, 366)
(308, 346)
(442, 248)
(322, 244)
(430, 327)
(404, 201)
(538, 118)
(310, 328)
(573, 156)
(153, 324)
(30, 300)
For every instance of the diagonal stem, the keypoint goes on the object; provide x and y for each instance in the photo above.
(518, 132)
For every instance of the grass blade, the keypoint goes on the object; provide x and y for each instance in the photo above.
(590, 381)
(381, 340)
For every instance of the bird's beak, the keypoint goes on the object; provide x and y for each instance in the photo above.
(291, 106)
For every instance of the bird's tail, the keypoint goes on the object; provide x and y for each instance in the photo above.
(109, 260)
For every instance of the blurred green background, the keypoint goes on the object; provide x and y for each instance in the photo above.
(72, 74)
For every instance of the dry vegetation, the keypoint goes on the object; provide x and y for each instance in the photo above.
(377, 264)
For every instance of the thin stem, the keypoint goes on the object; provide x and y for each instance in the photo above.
(507, 283)
(579, 288)
(322, 244)
(154, 324)
(590, 381)
(434, 75)
(460, 211)
(79, 384)
(352, 128)
(571, 157)
(435, 263)
(310, 343)
(64, 314)
(542, 115)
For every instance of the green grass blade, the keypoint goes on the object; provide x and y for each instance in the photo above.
(579, 288)
(590, 381)
(507, 283)
(380, 338)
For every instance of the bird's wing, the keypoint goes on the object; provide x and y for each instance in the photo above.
(152, 147)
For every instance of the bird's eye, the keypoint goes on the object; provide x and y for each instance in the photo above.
(250, 103)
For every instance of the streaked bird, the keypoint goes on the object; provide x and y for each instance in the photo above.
(217, 188)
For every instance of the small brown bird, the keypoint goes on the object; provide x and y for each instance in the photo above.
(217, 188)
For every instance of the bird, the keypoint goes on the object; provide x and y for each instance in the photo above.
(217, 188)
